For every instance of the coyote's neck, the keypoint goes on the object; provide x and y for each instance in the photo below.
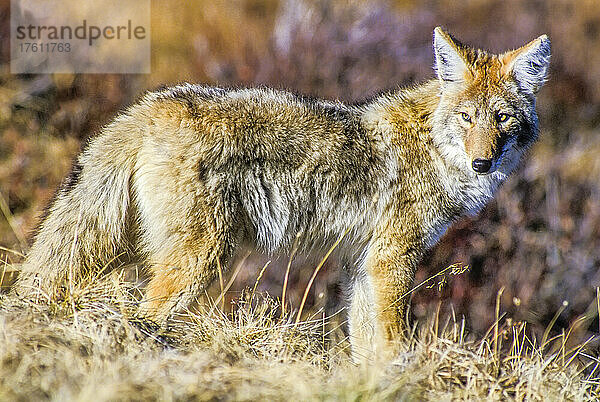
(403, 112)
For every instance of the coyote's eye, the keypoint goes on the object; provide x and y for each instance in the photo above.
(465, 117)
(502, 117)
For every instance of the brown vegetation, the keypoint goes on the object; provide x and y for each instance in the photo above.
(57, 352)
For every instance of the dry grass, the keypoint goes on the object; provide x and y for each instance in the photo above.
(50, 351)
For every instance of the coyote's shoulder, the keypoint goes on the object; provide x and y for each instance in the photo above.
(190, 174)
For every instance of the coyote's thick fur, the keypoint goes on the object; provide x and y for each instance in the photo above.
(190, 174)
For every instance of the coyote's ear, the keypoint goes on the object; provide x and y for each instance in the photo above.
(449, 63)
(528, 64)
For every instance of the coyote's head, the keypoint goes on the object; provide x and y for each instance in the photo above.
(486, 116)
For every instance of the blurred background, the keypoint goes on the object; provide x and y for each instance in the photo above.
(539, 240)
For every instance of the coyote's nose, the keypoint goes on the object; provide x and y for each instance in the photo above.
(482, 165)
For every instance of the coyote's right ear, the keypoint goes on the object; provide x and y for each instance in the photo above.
(449, 63)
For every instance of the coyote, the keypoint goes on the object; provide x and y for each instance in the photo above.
(190, 174)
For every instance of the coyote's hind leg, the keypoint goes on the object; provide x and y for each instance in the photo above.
(178, 275)
(185, 232)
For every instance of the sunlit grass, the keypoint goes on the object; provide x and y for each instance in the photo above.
(89, 344)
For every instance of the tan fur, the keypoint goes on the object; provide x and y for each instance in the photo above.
(189, 175)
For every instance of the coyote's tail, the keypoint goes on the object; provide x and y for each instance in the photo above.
(85, 227)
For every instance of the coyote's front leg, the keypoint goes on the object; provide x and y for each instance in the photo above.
(380, 293)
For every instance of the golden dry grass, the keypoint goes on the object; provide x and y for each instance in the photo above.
(88, 347)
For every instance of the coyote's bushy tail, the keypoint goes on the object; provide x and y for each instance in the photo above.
(85, 227)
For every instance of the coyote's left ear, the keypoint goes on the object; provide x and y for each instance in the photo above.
(528, 64)
(450, 64)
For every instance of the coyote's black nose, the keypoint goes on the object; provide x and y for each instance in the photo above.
(482, 165)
